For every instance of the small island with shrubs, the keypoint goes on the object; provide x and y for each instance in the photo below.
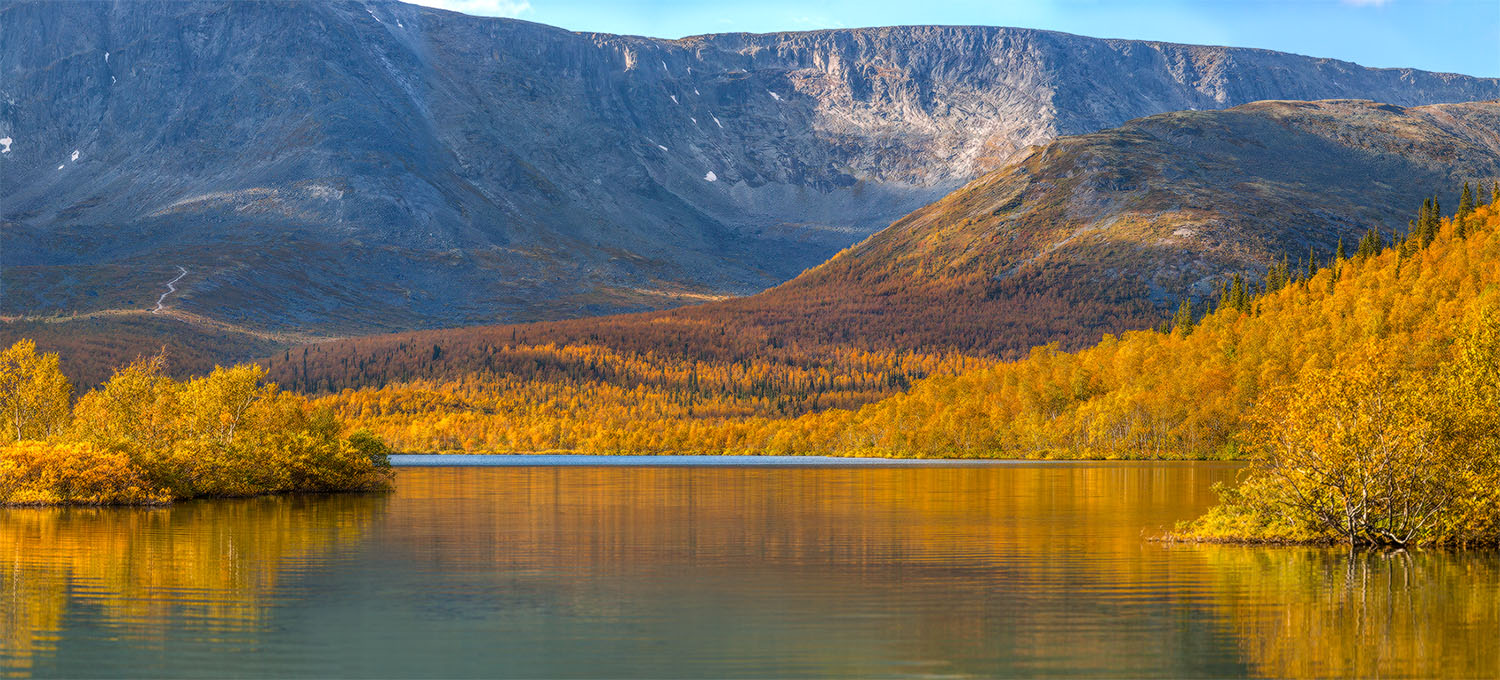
(144, 438)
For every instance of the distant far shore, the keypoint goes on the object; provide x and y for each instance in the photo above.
(695, 460)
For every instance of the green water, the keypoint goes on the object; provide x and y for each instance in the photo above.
(723, 571)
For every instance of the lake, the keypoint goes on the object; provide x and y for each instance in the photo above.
(714, 570)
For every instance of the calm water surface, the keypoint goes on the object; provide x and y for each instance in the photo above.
(725, 571)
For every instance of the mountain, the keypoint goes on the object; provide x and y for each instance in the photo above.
(341, 167)
(1107, 231)
(1091, 234)
(1087, 235)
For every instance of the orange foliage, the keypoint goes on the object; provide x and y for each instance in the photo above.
(75, 473)
(145, 438)
(1143, 394)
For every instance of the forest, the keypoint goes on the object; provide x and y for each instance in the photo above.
(1397, 329)
(143, 438)
(1182, 390)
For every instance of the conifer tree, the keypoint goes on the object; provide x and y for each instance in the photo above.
(1369, 244)
(1430, 225)
(1336, 267)
(1278, 275)
(1182, 322)
(1420, 233)
(1465, 206)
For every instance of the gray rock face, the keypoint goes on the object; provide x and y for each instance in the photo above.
(360, 166)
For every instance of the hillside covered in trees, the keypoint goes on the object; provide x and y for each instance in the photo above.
(1177, 392)
(1090, 234)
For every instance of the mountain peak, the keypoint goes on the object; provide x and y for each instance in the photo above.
(355, 166)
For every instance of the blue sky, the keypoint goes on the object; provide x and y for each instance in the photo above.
(1461, 36)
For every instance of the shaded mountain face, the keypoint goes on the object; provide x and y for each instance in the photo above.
(1090, 234)
(346, 167)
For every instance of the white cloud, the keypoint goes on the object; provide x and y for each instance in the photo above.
(483, 8)
(1367, 3)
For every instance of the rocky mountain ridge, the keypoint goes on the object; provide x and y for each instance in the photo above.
(348, 167)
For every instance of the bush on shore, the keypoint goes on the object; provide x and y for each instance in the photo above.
(144, 438)
(1374, 454)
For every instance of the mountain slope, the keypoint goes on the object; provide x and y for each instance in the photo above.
(1105, 231)
(1166, 201)
(344, 167)
(1185, 393)
(1091, 234)
(1144, 394)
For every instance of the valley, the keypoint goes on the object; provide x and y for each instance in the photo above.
(1084, 239)
(359, 338)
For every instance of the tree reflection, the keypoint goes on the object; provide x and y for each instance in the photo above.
(1306, 612)
(211, 562)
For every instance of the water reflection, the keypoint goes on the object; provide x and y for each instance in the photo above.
(725, 572)
(825, 572)
(137, 573)
(1301, 612)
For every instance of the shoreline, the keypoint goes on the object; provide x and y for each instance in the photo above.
(718, 460)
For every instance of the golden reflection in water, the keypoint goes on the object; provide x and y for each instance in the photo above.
(1042, 533)
(1024, 570)
(938, 561)
(849, 516)
(210, 562)
(1303, 612)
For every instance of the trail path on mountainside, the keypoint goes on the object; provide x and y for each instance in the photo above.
(171, 288)
(288, 337)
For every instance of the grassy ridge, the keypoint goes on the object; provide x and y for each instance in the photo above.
(1184, 394)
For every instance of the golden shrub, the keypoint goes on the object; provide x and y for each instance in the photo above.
(143, 437)
(72, 473)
